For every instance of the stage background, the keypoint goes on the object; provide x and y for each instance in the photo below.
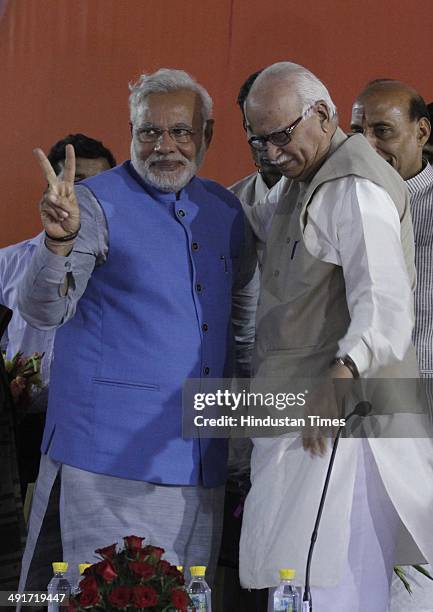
(65, 67)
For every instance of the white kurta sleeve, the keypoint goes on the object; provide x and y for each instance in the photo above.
(354, 223)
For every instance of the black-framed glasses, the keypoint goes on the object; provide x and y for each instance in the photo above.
(152, 134)
(279, 139)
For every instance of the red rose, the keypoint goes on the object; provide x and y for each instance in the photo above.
(119, 597)
(164, 567)
(89, 598)
(107, 552)
(179, 599)
(144, 570)
(72, 605)
(153, 551)
(173, 571)
(106, 570)
(88, 583)
(144, 597)
(133, 543)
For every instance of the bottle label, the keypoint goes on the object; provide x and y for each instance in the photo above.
(199, 602)
(284, 604)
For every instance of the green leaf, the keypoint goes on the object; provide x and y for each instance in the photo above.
(422, 570)
(399, 571)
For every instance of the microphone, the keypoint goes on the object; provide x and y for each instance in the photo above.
(362, 409)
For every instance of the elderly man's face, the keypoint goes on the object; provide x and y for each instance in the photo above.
(169, 162)
(383, 117)
(274, 108)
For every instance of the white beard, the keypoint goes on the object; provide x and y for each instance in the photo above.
(168, 181)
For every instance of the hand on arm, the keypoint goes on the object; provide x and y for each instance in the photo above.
(60, 213)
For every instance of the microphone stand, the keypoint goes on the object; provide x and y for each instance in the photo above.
(361, 410)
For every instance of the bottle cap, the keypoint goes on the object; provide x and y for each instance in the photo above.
(83, 566)
(60, 567)
(287, 574)
(198, 571)
(179, 568)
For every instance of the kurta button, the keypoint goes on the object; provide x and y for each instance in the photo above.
(180, 213)
(205, 327)
(206, 370)
(198, 287)
(195, 246)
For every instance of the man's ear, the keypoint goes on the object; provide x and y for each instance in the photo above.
(323, 113)
(423, 131)
(208, 132)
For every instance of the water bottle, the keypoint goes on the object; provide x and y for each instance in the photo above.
(58, 588)
(81, 567)
(286, 597)
(198, 590)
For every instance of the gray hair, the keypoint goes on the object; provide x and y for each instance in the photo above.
(308, 87)
(166, 80)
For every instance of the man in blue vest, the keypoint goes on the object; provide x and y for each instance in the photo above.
(137, 268)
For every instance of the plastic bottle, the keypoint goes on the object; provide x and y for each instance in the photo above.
(58, 586)
(198, 590)
(286, 597)
(81, 567)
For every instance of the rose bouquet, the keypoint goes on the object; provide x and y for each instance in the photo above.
(24, 376)
(134, 578)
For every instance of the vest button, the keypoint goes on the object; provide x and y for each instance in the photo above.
(180, 213)
(276, 273)
(198, 287)
(205, 327)
(195, 246)
(206, 371)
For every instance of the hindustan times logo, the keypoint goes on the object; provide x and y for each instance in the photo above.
(234, 401)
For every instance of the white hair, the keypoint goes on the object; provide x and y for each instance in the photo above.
(166, 80)
(307, 86)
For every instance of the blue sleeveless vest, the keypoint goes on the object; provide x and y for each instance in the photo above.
(157, 312)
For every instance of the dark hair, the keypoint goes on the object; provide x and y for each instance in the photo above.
(84, 146)
(417, 106)
(245, 89)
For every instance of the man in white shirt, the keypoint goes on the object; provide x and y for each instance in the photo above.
(395, 120)
(92, 158)
(335, 302)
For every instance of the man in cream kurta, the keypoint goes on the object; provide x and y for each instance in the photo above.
(336, 282)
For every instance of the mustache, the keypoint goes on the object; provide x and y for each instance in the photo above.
(157, 157)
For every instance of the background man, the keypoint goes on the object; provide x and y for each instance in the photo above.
(145, 303)
(395, 120)
(250, 190)
(335, 302)
(92, 157)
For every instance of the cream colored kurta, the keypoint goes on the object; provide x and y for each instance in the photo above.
(286, 485)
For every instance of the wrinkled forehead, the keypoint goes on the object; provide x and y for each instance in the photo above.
(392, 106)
(170, 108)
(273, 103)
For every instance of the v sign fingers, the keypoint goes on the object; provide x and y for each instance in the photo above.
(60, 213)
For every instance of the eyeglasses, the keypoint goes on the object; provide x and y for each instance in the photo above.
(279, 139)
(153, 134)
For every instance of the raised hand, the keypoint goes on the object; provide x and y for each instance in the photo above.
(60, 213)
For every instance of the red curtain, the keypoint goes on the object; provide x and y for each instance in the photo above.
(65, 67)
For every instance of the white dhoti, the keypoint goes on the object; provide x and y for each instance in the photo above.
(366, 502)
(98, 510)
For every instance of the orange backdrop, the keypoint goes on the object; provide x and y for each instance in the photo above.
(65, 67)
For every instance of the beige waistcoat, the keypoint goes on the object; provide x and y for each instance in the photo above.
(302, 310)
